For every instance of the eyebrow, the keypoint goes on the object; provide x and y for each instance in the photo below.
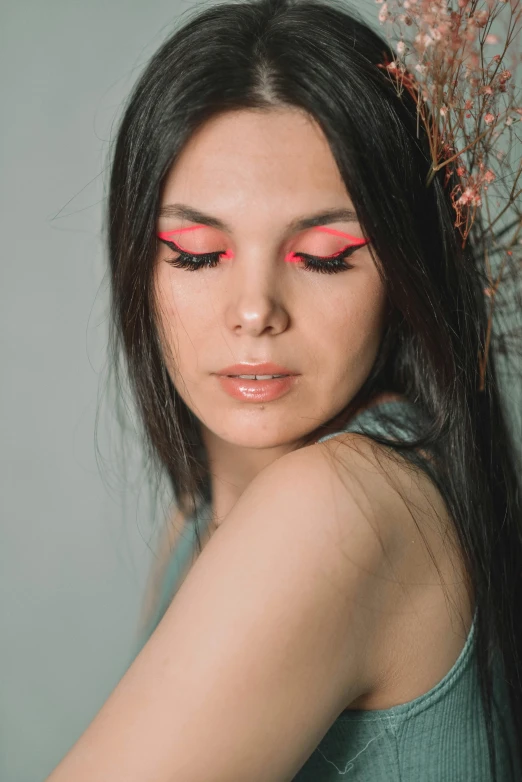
(298, 224)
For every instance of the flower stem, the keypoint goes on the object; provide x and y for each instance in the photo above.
(431, 175)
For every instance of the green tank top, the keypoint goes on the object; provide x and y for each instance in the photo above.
(439, 736)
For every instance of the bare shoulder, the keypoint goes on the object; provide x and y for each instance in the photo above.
(277, 629)
(396, 541)
(263, 646)
(426, 604)
(338, 509)
(309, 484)
(387, 486)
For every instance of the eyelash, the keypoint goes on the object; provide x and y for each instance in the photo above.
(334, 264)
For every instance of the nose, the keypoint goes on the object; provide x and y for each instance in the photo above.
(256, 298)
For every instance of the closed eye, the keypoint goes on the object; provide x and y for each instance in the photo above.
(330, 264)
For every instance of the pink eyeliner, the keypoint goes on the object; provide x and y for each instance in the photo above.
(355, 241)
(167, 234)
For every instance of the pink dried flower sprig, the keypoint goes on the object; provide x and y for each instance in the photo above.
(444, 38)
(467, 102)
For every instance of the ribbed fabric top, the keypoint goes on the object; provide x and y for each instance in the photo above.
(437, 737)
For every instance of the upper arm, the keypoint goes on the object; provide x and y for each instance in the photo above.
(262, 647)
(168, 539)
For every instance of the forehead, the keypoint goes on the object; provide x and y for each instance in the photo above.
(278, 150)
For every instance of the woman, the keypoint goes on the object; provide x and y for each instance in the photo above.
(361, 548)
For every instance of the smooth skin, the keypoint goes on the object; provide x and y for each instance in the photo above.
(258, 171)
(275, 630)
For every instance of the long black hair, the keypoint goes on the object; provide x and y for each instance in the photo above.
(320, 57)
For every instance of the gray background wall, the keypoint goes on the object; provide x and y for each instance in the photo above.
(74, 548)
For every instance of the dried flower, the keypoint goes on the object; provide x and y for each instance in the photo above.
(383, 13)
(464, 100)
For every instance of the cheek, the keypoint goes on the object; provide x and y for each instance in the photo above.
(179, 300)
(355, 320)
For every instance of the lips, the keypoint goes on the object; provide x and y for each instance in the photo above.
(256, 377)
(267, 368)
(257, 390)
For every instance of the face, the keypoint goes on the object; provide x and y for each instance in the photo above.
(256, 299)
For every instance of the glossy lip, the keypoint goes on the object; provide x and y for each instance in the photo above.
(256, 390)
(256, 369)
